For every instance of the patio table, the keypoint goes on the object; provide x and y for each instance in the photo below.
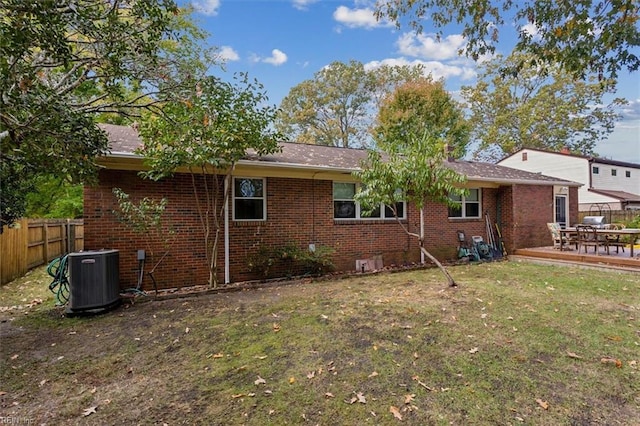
(633, 232)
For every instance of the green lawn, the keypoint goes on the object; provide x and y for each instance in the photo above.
(516, 343)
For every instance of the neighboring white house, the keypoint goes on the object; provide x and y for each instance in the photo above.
(607, 184)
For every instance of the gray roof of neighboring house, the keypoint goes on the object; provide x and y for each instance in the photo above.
(589, 158)
(620, 195)
(124, 141)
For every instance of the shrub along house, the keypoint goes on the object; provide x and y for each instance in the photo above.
(304, 196)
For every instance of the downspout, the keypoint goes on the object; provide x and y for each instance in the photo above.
(227, 275)
(422, 259)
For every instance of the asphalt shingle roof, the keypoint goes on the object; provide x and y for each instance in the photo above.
(124, 140)
(621, 195)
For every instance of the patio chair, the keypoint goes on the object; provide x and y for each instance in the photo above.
(587, 236)
(567, 240)
(614, 240)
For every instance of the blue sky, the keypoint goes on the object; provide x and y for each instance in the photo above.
(284, 42)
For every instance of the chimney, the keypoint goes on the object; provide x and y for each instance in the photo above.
(448, 149)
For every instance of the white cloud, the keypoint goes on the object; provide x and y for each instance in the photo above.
(277, 58)
(207, 7)
(227, 54)
(437, 69)
(422, 46)
(303, 4)
(530, 28)
(358, 18)
(630, 111)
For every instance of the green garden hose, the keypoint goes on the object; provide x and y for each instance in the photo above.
(59, 270)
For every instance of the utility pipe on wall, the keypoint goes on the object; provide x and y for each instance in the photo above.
(227, 274)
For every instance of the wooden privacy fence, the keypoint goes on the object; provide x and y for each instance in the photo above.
(33, 242)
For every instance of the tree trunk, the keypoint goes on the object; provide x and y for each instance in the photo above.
(450, 279)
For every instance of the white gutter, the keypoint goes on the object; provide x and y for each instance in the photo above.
(523, 181)
(278, 164)
(123, 154)
(265, 164)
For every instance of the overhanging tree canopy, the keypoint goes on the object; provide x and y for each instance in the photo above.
(583, 36)
(534, 109)
(63, 62)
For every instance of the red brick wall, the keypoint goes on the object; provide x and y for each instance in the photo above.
(573, 205)
(532, 210)
(299, 211)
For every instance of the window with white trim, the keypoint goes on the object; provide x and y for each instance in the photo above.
(346, 207)
(466, 206)
(249, 199)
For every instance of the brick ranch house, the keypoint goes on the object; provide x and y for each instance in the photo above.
(303, 197)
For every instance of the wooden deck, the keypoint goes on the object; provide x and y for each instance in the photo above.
(612, 260)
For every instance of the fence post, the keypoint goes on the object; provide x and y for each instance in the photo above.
(71, 236)
(45, 238)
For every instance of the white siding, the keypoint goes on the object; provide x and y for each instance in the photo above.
(605, 180)
(562, 166)
(577, 169)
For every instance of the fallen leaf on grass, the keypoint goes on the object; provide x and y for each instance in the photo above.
(614, 338)
(395, 412)
(311, 375)
(89, 411)
(276, 327)
(14, 356)
(260, 381)
(238, 395)
(543, 404)
(572, 355)
(361, 398)
(292, 380)
(609, 360)
(408, 399)
(217, 356)
(374, 374)
(473, 350)
(187, 330)
(329, 395)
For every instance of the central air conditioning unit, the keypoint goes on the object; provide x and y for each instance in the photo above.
(94, 281)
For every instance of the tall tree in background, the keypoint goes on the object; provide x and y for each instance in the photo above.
(62, 63)
(207, 128)
(584, 37)
(337, 107)
(420, 107)
(416, 124)
(535, 109)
